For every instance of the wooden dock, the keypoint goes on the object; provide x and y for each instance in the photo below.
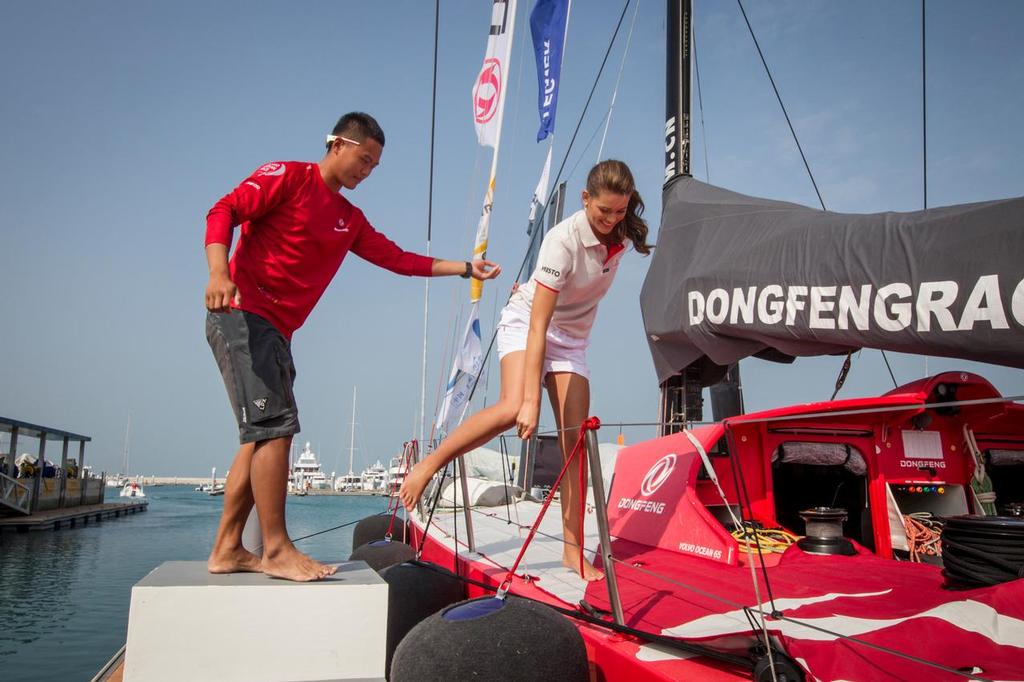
(69, 517)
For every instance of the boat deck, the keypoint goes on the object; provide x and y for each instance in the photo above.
(500, 533)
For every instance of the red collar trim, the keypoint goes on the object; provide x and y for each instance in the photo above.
(612, 250)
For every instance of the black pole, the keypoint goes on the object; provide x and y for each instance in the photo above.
(681, 395)
(677, 94)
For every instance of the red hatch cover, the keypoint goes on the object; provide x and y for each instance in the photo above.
(653, 501)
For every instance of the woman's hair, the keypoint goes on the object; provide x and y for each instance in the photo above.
(614, 176)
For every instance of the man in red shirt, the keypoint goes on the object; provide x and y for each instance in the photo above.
(296, 229)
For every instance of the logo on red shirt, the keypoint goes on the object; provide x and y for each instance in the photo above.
(487, 90)
(275, 168)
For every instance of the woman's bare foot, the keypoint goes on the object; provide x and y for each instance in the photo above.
(413, 485)
(233, 560)
(571, 560)
(291, 564)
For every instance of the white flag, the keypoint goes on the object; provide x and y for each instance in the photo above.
(465, 370)
(489, 89)
(540, 195)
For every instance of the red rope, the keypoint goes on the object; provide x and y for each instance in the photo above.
(404, 464)
(589, 424)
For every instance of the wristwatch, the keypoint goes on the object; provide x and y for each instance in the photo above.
(468, 272)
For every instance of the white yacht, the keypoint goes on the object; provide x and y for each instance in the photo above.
(306, 473)
(348, 482)
(373, 478)
(396, 475)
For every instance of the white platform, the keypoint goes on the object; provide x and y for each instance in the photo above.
(186, 624)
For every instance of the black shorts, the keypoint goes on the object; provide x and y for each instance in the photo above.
(255, 361)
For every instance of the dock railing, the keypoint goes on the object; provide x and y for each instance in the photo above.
(15, 495)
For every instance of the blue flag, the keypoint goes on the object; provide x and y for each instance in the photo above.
(547, 25)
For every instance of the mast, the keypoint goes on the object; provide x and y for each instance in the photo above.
(127, 439)
(352, 433)
(677, 94)
(681, 400)
(681, 395)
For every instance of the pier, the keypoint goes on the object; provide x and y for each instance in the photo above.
(55, 519)
(43, 486)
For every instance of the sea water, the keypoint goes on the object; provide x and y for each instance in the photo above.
(64, 595)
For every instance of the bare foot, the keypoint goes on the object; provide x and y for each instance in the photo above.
(291, 564)
(413, 486)
(234, 560)
(571, 560)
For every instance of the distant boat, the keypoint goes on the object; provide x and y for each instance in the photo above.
(212, 488)
(373, 478)
(133, 489)
(306, 473)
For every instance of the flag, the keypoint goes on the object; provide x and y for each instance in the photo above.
(540, 195)
(465, 370)
(489, 89)
(535, 226)
(547, 25)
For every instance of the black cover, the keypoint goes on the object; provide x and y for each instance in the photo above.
(735, 276)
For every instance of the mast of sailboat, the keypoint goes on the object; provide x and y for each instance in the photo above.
(681, 399)
(127, 437)
(352, 434)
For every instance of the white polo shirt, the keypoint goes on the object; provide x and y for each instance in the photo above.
(579, 267)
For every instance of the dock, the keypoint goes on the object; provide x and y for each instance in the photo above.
(70, 517)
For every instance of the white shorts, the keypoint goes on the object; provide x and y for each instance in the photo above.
(562, 353)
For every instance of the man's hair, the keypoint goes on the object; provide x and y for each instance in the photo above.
(359, 126)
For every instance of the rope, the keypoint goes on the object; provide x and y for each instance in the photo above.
(328, 530)
(771, 540)
(404, 464)
(590, 424)
(923, 535)
(981, 484)
(843, 372)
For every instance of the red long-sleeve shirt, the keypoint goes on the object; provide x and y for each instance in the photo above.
(295, 234)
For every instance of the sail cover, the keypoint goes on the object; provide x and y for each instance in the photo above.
(735, 275)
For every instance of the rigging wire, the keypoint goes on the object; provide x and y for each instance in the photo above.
(783, 106)
(618, 79)
(797, 140)
(924, 110)
(700, 104)
(430, 214)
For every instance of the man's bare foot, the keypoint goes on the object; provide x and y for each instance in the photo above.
(291, 564)
(413, 485)
(234, 560)
(571, 560)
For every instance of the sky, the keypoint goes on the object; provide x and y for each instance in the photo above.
(125, 121)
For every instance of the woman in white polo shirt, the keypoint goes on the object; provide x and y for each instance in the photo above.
(543, 335)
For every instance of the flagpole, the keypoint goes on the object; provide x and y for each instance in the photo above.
(476, 286)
